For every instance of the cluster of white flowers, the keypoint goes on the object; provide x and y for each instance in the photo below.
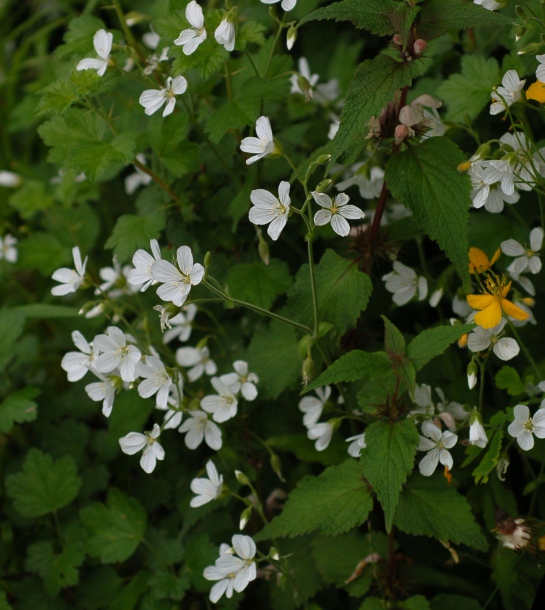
(312, 407)
(306, 84)
(508, 93)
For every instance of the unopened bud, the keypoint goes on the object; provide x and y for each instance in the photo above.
(323, 186)
(291, 38)
(276, 465)
(529, 301)
(483, 151)
(520, 12)
(305, 87)
(464, 167)
(245, 517)
(472, 375)
(274, 554)
(323, 159)
(304, 346)
(419, 46)
(519, 32)
(397, 40)
(242, 478)
(533, 48)
(324, 328)
(264, 252)
(308, 370)
(401, 133)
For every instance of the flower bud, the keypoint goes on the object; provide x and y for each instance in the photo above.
(245, 517)
(276, 465)
(264, 252)
(308, 370)
(533, 48)
(472, 375)
(464, 167)
(304, 346)
(274, 554)
(401, 132)
(323, 159)
(242, 478)
(305, 87)
(477, 433)
(519, 32)
(291, 38)
(397, 40)
(10, 179)
(419, 46)
(323, 186)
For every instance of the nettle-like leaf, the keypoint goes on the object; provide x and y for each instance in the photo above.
(44, 485)
(258, 283)
(429, 507)
(433, 342)
(332, 503)
(11, 326)
(57, 570)
(17, 408)
(342, 292)
(437, 16)
(115, 529)
(469, 92)
(394, 344)
(387, 461)
(424, 178)
(374, 85)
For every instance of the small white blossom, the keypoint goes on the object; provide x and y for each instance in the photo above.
(334, 127)
(102, 41)
(226, 31)
(135, 441)
(156, 380)
(192, 37)
(153, 99)
(436, 444)
(527, 258)
(516, 168)
(524, 427)
(304, 71)
(509, 91)
(173, 414)
(154, 60)
(115, 353)
(480, 339)
(540, 72)
(336, 211)
(142, 261)
(312, 406)
(404, 283)
(321, 433)
(198, 428)
(223, 405)
(357, 443)
(181, 324)
(287, 5)
(208, 489)
(8, 251)
(490, 5)
(103, 390)
(369, 182)
(177, 282)
(139, 178)
(10, 180)
(151, 39)
(115, 280)
(70, 279)
(76, 364)
(477, 433)
(262, 146)
(199, 361)
(271, 210)
(455, 409)
(242, 380)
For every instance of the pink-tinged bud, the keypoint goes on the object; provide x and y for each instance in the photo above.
(419, 46)
(397, 40)
(401, 132)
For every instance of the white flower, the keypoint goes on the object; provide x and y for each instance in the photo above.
(139, 178)
(199, 361)
(369, 183)
(10, 179)
(312, 407)
(173, 414)
(191, 38)
(423, 400)
(226, 31)
(156, 380)
(435, 297)
(287, 5)
(181, 325)
(262, 146)
(477, 433)
(116, 353)
(199, 427)
(76, 364)
(208, 489)
(102, 41)
(291, 37)
(222, 406)
(414, 113)
(115, 282)
(135, 441)
(480, 339)
(527, 257)
(436, 444)
(225, 584)
(271, 210)
(70, 280)
(304, 71)
(524, 427)
(471, 375)
(176, 284)
(490, 5)
(482, 176)
(241, 380)
(151, 39)
(357, 443)
(336, 212)
(321, 433)
(8, 251)
(103, 390)
(152, 99)
(142, 261)
(509, 91)
(540, 72)
(334, 127)
(453, 408)
(403, 283)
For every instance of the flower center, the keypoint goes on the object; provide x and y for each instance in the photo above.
(529, 425)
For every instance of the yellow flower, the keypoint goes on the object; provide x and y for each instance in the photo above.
(478, 260)
(536, 91)
(492, 303)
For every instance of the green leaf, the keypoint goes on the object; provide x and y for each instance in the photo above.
(46, 311)
(374, 603)
(332, 503)
(115, 529)
(507, 378)
(418, 602)
(354, 365)
(78, 39)
(433, 342)
(274, 357)
(451, 601)
(429, 507)
(419, 177)
(388, 459)
(56, 97)
(18, 408)
(438, 16)
(394, 344)
(251, 32)
(4, 602)
(44, 252)
(490, 458)
(43, 486)
(11, 326)
(132, 232)
(342, 292)
(30, 198)
(57, 570)
(374, 85)
(258, 283)
(469, 92)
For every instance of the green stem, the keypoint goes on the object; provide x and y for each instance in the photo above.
(525, 350)
(146, 170)
(126, 30)
(313, 284)
(280, 28)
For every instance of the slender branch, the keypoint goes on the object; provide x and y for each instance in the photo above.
(146, 170)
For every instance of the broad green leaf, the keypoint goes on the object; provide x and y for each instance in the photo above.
(251, 32)
(46, 311)
(132, 232)
(490, 458)
(388, 459)
(374, 85)
(57, 570)
(433, 342)
(332, 503)
(11, 327)
(17, 408)
(507, 378)
(57, 97)
(469, 92)
(354, 365)
(258, 283)
(374, 603)
(43, 485)
(274, 357)
(418, 602)
(394, 344)
(115, 529)
(165, 584)
(419, 177)
(31, 198)
(429, 507)
(437, 16)
(342, 292)
(451, 601)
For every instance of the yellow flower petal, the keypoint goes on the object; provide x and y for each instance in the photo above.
(478, 261)
(480, 301)
(495, 257)
(512, 310)
(536, 91)
(490, 316)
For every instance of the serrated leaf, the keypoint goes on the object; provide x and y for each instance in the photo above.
(469, 92)
(374, 85)
(57, 570)
(490, 458)
(43, 485)
(116, 529)
(437, 16)
(17, 408)
(30, 198)
(433, 342)
(394, 344)
(342, 292)
(57, 97)
(331, 503)
(507, 378)
(251, 32)
(258, 283)
(132, 232)
(419, 177)
(387, 461)
(429, 507)
(11, 326)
